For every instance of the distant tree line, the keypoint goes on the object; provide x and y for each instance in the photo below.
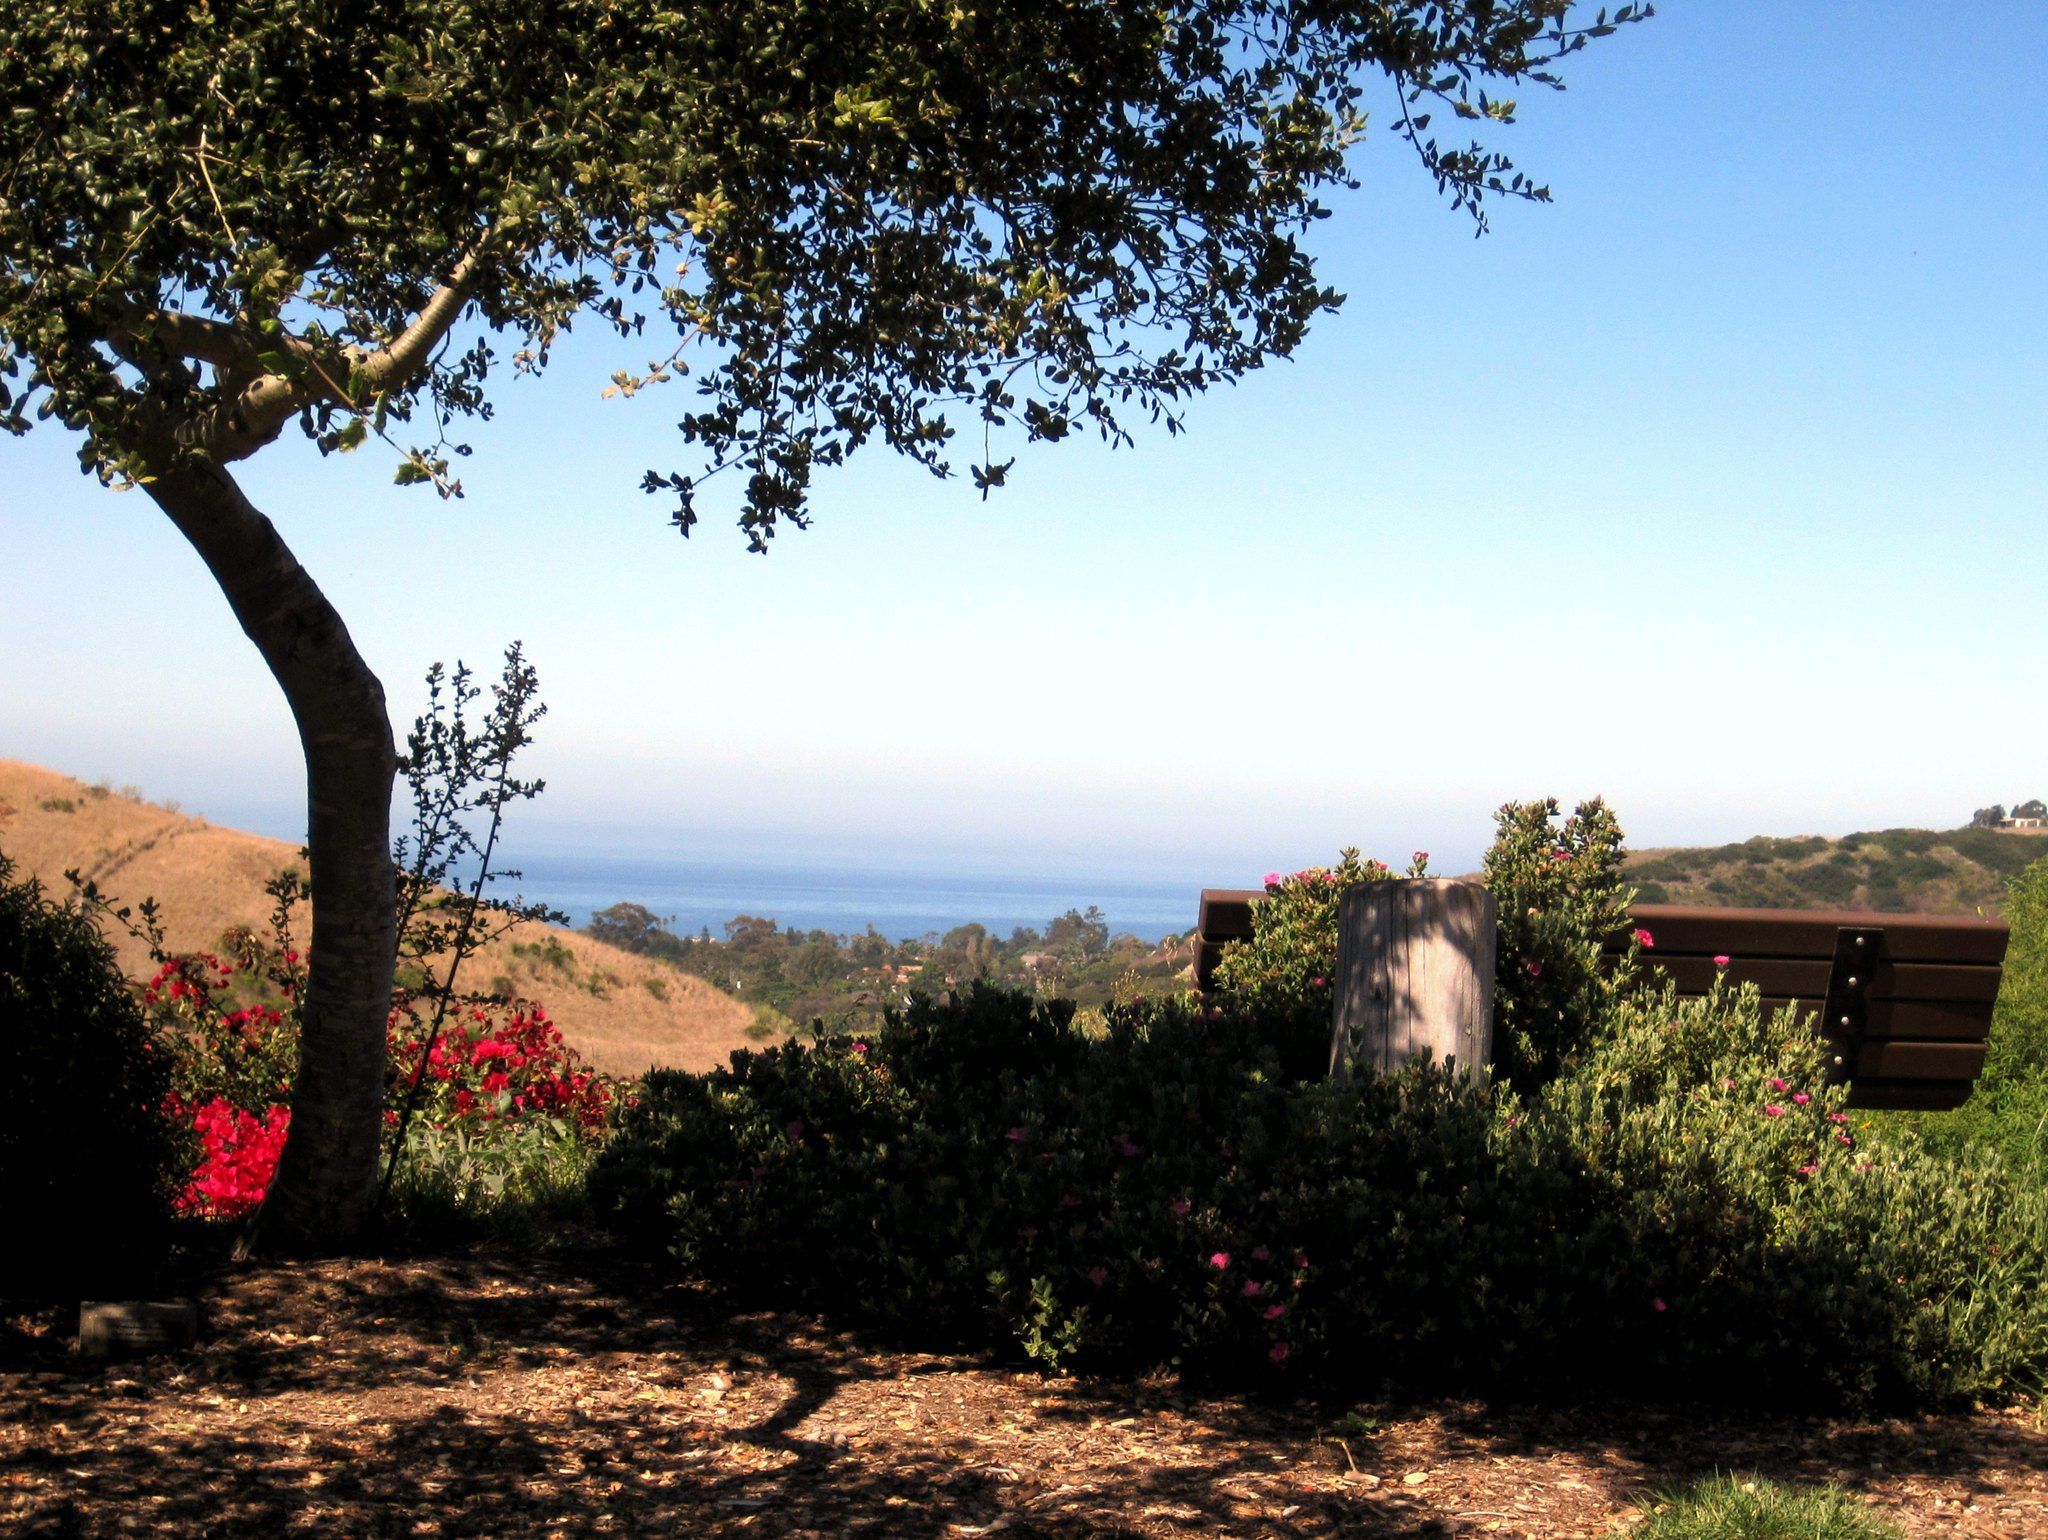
(1995, 815)
(816, 975)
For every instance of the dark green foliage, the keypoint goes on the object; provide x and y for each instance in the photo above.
(1561, 896)
(85, 1158)
(872, 216)
(983, 1172)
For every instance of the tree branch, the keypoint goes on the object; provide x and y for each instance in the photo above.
(256, 400)
(395, 362)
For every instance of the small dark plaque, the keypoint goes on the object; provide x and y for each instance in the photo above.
(130, 1328)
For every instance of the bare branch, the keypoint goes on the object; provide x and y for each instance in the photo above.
(394, 363)
(182, 335)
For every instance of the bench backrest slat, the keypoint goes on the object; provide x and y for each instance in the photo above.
(1921, 938)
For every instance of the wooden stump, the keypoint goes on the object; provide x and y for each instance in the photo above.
(1414, 975)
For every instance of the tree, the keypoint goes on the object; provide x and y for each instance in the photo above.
(1086, 933)
(2032, 808)
(1988, 817)
(630, 927)
(859, 221)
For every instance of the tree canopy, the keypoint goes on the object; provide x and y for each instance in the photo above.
(847, 221)
(844, 222)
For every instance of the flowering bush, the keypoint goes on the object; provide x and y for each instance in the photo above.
(986, 1172)
(1283, 972)
(492, 1061)
(224, 1021)
(1560, 893)
(238, 1154)
(230, 1024)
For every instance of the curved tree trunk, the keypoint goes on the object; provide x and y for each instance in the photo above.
(326, 1182)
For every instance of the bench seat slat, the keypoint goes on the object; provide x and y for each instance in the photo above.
(1898, 1060)
(1909, 1095)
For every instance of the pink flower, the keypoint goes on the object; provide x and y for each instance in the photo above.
(1808, 1169)
(1274, 1312)
(1844, 1140)
(1260, 1254)
(1318, 983)
(1779, 1085)
(794, 1128)
(1017, 1135)
(1720, 959)
(1124, 1146)
(860, 1048)
(1219, 1260)
(1421, 858)
(1098, 1276)
(1644, 938)
(1301, 1259)
(1272, 879)
(1774, 1111)
(1800, 1098)
(1560, 855)
(1838, 1117)
(1659, 1306)
(1277, 1352)
(1533, 968)
(1180, 1207)
(1252, 1288)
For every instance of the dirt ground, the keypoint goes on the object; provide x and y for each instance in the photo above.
(501, 1397)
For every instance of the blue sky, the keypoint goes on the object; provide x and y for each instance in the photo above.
(1715, 487)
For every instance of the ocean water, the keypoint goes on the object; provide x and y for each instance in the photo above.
(900, 902)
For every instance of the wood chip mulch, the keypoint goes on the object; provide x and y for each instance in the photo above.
(496, 1396)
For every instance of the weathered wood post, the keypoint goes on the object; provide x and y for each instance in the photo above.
(1414, 974)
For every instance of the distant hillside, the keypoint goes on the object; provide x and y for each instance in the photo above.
(622, 1012)
(1907, 871)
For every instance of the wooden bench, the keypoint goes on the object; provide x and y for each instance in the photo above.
(1904, 1001)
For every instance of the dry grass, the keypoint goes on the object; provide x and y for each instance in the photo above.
(207, 879)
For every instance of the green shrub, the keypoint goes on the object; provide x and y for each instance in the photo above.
(85, 1160)
(1561, 896)
(518, 1178)
(1773, 1244)
(985, 1173)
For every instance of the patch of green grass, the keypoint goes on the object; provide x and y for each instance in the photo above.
(1753, 1508)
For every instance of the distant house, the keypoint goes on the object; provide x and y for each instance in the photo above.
(2025, 823)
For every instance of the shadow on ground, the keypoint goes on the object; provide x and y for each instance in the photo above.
(502, 1397)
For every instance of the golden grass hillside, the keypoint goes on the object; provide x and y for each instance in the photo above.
(622, 1012)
